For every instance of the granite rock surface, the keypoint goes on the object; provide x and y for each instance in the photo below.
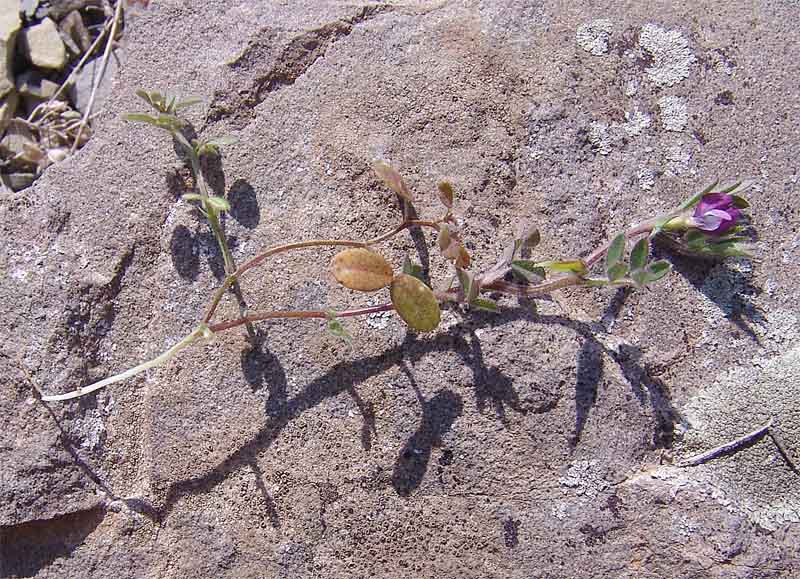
(507, 445)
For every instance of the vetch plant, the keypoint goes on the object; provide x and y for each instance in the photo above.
(708, 225)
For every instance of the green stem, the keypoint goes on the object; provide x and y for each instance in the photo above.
(600, 252)
(211, 214)
(222, 242)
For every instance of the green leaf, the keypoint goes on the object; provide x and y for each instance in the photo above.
(468, 285)
(141, 118)
(730, 188)
(218, 204)
(639, 253)
(617, 271)
(659, 225)
(572, 266)
(186, 103)
(178, 136)
(653, 272)
(191, 197)
(446, 194)
(144, 95)
(530, 237)
(484, 304)
(223, 141)
(695, 199)
(415, 303)
(444, 236)
(337, 329)
(740, 202)
(615, 252)
(528, 270)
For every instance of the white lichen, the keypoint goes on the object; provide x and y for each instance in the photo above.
(635, 123)
(669, 50)
(593, 36)
(599, 137)
(647, 179)
(674, 113)
(677, 160)
(585, 477)
(756, 480)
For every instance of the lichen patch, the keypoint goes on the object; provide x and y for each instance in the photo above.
(593, 36)
(672, 58)
(674, 113)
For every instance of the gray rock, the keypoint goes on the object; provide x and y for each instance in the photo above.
(57, 9)
(18, 134)
(512, 445)
(8, 106)
(33, 83)
(35, 89)
(81, 90)
(18, 182)
(74, 32)
(42, 45)
(9, 26)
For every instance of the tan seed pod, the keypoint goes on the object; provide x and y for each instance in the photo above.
(361, 269)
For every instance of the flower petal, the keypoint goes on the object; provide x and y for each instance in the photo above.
(712, 220)
(713, 201)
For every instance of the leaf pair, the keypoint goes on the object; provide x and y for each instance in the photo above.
(471, 288)
(640, 271)
(213, 202)
(163, 103)
(730, 245)
(364, 270)
(395, 182)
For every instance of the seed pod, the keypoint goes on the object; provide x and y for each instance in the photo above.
(415, 303)
(361, 269)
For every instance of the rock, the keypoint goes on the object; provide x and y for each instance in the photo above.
(35, 89)
(74, 32)
(18, 135)
(29, 7)
(33, 83)
(42, 45)
(511, 445)
(8, 106)
(9, 26)
(57, 9)
(19, 181)
(81, 90)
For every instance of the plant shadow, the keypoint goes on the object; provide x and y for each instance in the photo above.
(186, 245)
(438, 413)
(731, 289)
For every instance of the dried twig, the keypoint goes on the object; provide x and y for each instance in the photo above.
(776, 438)
(109, 44)
(74, 72)
(731, 446)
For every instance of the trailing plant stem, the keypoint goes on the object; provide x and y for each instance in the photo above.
(302, 314)
(600, 252)
(198, 333)
(272, 251)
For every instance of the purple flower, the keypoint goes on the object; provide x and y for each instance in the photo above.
(715, 213)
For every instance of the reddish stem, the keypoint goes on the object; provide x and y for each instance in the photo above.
(302, 314)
